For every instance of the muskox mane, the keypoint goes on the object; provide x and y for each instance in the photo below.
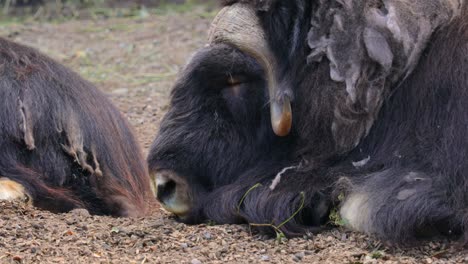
(64, 141)
(372, 46)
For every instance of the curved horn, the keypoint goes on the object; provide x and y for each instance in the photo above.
(238, 25)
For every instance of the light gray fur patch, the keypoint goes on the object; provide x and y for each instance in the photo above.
(356, 212)
(26, 125)
(75, 142)
(277, 178)
(414, 176)
(361, 163)
(405, 194)
(372, 46)
(378, 48)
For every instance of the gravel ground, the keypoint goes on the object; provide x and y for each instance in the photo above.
(135, 61)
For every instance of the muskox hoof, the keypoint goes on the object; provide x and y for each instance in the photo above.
(11, 191)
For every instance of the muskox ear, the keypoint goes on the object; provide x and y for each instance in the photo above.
(386, 41)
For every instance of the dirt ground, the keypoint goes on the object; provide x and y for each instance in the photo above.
(135, 60)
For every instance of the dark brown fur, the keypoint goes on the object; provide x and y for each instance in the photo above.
(63, 139)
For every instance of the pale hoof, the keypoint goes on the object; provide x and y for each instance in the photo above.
(11, 191)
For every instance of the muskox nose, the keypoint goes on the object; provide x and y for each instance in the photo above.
(173, 192)
(165, 190)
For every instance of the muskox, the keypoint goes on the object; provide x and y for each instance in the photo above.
(63, 144)
(298, 111)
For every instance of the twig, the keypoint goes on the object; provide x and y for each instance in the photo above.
(439, 254)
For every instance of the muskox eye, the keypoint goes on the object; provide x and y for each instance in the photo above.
(233, 87)
(233, 81)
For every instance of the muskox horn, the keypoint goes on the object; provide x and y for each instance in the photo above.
(238, 25)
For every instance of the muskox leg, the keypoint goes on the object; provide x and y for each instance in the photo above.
(399, 205)
(22, 182)
(11, 190)
(297, 204)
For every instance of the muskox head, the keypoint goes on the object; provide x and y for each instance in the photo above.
(281, 85)
(230, 118)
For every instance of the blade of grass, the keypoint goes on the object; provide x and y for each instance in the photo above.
(245, 196)
(279, 234)
(296, 212)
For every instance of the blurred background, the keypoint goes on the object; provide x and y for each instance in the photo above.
(47, 10)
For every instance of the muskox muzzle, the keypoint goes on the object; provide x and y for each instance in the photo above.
(172, 191)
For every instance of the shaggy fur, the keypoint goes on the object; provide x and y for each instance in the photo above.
(406, 178)
(64, 141)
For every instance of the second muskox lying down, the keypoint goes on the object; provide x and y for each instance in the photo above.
(300, 110)
(63, 145)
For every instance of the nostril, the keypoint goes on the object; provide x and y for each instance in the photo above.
(166, 190)
(172, 191)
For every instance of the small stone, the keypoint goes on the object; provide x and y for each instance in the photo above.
(80, 212)
(300, 255)
(213, 245)
(207, 235)
(429, 260)
(184, 245)
(195, 261)
(369, 260)
(265, 258)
